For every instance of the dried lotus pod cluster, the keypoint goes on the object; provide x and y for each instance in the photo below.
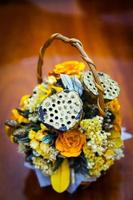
(111, 88)
(61, 111)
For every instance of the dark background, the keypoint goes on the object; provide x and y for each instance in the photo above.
(106, 29)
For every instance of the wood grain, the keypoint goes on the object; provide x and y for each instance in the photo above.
(106, 31)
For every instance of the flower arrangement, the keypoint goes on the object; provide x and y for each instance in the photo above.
(62, 128)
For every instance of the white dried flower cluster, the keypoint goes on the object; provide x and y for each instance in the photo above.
(51, 80)
(97, 138)
(43, 165)
(40, 92)
(118, 154)
(52, 152)
(33, 117)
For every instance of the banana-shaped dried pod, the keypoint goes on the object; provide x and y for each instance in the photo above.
(62, 110)
(60, 179)
(20, 133)
(111, 88)
(12, 123)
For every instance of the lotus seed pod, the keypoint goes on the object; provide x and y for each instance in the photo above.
(62, 110)
(111, 88)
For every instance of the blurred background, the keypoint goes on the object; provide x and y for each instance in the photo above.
(106, 29)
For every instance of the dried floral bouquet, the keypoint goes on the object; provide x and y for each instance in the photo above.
(71, 124)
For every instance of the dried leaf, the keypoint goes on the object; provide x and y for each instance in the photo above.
(67, 82)
(24, 113)
(48, 139)
(12, 123)
(72, 83)
(77, 85)
(58, 162)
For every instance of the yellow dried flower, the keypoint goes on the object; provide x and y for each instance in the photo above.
(19, 118)
(116, 143)
(114, 106)
(109, 153)
(115, 134)
(57, 89)
(34, 144)
(22, 101)
(101, 148)
(108, 164)
(69, 67)
(88, 152)
(41, 92)
(43, 127)
(52, 80)
(44, 147)
(98, 166)
(91, 125)
(39, 136)
(93, 131)
(43, 165)
(46, 151)
(36, 138)
(32, 134)
(12, 138)
(8, 130)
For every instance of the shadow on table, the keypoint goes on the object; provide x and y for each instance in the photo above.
(33, 191)
(104, 188)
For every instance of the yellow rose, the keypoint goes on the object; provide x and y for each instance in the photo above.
(70, 143)
(68, 67)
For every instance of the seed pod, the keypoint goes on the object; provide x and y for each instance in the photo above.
(20, 133)
(12, 123)
(61, 111)
(111, 88)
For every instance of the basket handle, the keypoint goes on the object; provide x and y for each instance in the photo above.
(78, 45)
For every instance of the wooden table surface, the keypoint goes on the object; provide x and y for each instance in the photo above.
(106, 29)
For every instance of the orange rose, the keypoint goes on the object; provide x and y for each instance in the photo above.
(68, 67)
(70, 143)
